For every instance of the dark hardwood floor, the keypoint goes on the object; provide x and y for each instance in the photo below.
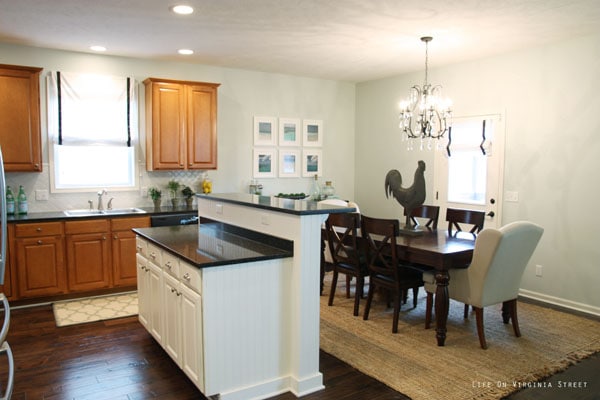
(119, 360)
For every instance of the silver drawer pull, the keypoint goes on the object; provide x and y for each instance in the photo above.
(168, 265)
(153, 255)
(186, 276)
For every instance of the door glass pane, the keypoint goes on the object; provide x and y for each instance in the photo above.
(467, 170)
(467, 166)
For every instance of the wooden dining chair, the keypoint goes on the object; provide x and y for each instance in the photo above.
(430, 212)
(494, 275)
(346, 253)
(456, 216)
(385, 270)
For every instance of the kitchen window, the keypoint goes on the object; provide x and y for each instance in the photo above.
(92, 131)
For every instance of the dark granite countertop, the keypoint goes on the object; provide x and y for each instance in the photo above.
(215, 244)
(297, 207)
(50, 216)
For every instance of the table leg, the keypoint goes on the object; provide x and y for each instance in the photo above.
(441, 306)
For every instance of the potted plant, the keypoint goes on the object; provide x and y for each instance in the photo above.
(155, 195)
(173, 187)
(188, 193)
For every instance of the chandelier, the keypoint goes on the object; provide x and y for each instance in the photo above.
(425, 114)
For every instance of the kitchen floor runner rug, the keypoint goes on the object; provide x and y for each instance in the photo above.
(80, 311)
(411, 362)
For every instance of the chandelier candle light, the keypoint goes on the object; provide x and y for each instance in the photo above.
(425, 114)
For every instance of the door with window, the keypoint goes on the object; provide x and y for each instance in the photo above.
(469, 172)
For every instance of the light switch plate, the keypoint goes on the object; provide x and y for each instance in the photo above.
(511, 196)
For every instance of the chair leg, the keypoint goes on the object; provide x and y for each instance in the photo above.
(333, 285)
(415, 296)
(397, 305)
(480, 331)
(428, 309)
(348, 280)
(511, 309)
(357, 294)
(466, 312)
(368, 303)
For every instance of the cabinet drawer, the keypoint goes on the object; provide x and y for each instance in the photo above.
(154, 255)
(141, 246)
(170, 264)
(191, 277)
(127, 224)
(38, 229)
(87, 226)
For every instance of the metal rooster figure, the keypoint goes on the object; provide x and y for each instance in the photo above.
(411, 197)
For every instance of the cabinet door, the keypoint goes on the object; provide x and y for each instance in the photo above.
(123, 258)
(191, 329)
(88, 261)
(155, 286)
(165, 126)
(143, 279)
(40, 266)
(20, 137)
(172, 315)
(201, 127)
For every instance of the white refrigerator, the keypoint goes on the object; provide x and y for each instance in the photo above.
(5, 388)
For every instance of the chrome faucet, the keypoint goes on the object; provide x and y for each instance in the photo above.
(100, 194)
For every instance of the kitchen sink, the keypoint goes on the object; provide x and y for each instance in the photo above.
(114, 211)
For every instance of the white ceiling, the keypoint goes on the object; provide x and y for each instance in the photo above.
(354, 40)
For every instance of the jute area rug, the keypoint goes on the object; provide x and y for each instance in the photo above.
(79, 311)
(412, 363)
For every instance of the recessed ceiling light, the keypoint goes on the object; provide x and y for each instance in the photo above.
(98, 48)
(185, 52)
(182, 9)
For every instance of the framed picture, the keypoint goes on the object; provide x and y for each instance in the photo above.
(289, 163)
(265, 163)
(312, 133)
(289, 132)
(265, 131)
(312, 161)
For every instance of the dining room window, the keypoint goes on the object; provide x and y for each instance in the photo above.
(92, 131)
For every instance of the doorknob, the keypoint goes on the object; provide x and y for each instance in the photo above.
(491, 214)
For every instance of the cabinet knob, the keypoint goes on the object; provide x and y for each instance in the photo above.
(153, 255)
(36, 166)
(103, 237)
(115, 237)
(38, 229)
(168, 265)
(40, 242)
(186, 276)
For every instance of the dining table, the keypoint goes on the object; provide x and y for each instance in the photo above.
(438, 249)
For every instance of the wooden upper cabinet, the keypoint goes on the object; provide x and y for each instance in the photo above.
(181, 125)
(20, 136)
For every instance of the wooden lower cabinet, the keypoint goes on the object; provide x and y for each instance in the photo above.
(72, 256)
(88, 254)
(39, 258)
(124, 270)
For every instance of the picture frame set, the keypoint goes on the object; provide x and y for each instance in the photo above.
(287, 147)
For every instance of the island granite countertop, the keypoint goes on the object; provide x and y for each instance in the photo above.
(279, 204)
(215, 244)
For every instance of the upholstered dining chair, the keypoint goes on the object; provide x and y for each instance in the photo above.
(347, 254)
(457, 216)
(429, 212)
(494, 275)
(385, 270)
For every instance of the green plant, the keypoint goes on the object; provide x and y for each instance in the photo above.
(187, 192)
(173, 186)
(154, 193)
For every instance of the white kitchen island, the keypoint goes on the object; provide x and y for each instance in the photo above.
(259, 319)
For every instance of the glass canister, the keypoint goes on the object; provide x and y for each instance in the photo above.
(328, 190)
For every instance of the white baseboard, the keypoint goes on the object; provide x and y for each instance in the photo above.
(572, 305)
